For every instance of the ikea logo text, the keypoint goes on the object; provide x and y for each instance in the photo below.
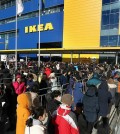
(41, 27)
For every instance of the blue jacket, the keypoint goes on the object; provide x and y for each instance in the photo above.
(90, 105)
(78, 94)
(104, 98)
(30, 83)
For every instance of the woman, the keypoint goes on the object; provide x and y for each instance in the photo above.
(34, 123)
(19, 86)
(23, 111)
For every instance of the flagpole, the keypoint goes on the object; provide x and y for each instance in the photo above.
(16, 41)
(39, 39)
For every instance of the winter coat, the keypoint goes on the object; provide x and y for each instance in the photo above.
(37, 128)
(63, 79)
(90, 105)
(112, 89)
(65, 121)
(51, 107)
(47, 72)
(53, 82)
(30, 83)
(104, 98)
(23, 112)
(19, 87)
(77, 93)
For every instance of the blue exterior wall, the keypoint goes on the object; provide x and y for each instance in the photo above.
(30, 40)
(29, 7)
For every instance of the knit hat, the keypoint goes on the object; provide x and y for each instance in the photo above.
(67, 99)
(18, 76)
(111, 81)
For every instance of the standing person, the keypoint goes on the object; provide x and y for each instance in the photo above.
(23, 111)
(104, 98)
(64, 119)
(19, 86)
(11, 102)
(52, 105)
(117, 101)
(34, 123)
(63, 77)
(47, 71)
(90, 107)
(30, 82)
(53, 81)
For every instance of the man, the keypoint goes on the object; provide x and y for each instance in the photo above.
(52, 105)
(64, 119)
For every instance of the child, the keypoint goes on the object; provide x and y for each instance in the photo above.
(34, 123)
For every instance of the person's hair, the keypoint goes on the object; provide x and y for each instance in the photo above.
(55, 93)
(30, 76)
(35, 87)
(36, 112)
(118, 79)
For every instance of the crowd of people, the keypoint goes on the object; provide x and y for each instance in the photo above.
(75, 97)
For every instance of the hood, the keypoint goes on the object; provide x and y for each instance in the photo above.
(23, 100)
(63, 110)
(47, 69)
(112, 86)
(91, 91)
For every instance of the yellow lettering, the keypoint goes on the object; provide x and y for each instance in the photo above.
(32, 29)
(26, 30)
(48, 26)
(41, 27)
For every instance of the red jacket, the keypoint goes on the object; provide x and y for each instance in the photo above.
(65, 121)
(47, 71)
(19, 87)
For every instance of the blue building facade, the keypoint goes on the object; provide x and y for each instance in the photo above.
(51, 24)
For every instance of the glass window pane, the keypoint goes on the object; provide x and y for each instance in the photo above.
(113, 40)
(106, 1)
(105, 19)
(104, 40)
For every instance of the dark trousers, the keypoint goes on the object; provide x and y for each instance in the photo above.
(90, 127)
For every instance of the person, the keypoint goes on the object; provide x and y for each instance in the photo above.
(30, 82)
(47, 71)
(63, 78)
(117, 96)
(82, 123)
(103, 127)
(55, 102)
(90, 107)
(34, 123)
(64, 119)
(104, 98)
(23, 111)
(53, 81)
(52, 105)
(112, 88)
(19, 86)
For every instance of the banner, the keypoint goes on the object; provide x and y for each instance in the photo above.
(20, 7)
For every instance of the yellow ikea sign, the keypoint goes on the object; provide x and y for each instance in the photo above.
(41, 27)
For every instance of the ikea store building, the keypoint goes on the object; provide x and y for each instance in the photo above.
(63, 24)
